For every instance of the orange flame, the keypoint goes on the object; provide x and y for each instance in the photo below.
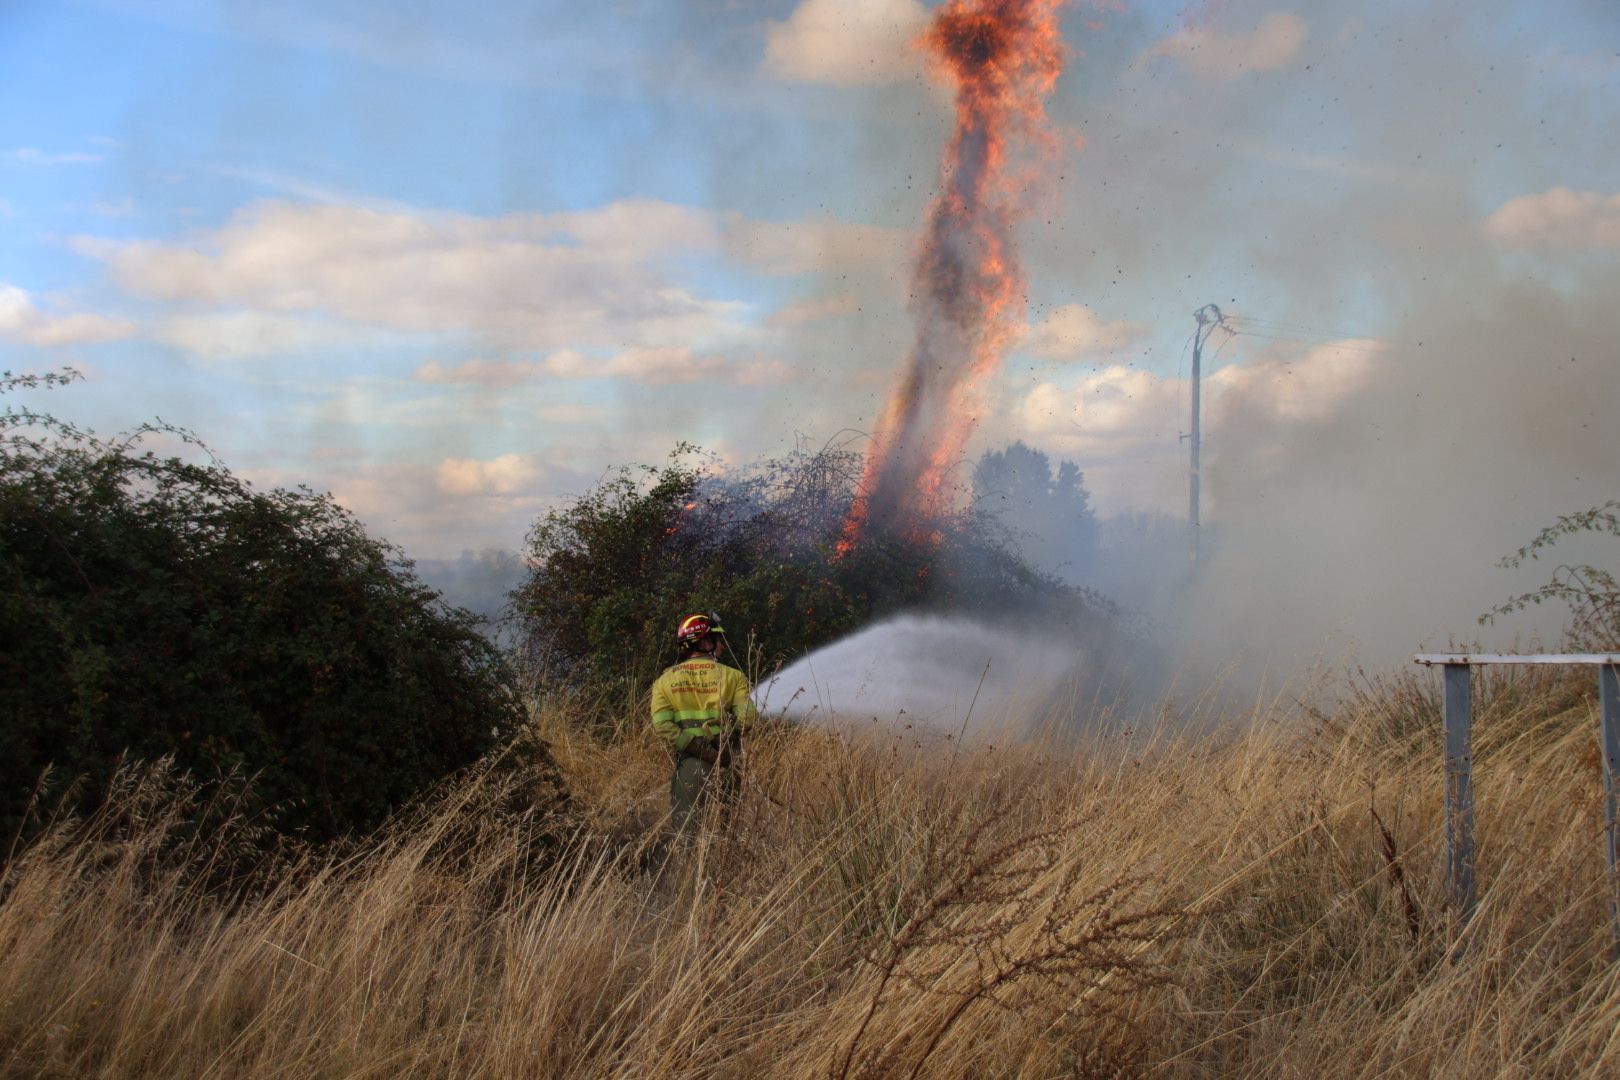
(680, 516)
(1004, 57)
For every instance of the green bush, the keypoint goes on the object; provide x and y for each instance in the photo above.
(154, 605)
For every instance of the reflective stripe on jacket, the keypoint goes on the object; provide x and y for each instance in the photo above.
(699, 696)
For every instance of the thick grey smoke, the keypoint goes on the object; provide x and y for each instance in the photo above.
(1380, 527)
(1358, 500)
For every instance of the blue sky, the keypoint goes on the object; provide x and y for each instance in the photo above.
(453, 262)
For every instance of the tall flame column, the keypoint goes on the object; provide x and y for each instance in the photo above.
(1003, 56)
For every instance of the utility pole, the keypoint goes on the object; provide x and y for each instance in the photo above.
(1208, 318)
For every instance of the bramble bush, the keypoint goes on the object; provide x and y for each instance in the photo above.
(152, 605)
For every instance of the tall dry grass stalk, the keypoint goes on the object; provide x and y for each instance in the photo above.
(1259, 898)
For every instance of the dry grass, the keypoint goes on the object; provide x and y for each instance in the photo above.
(1262, 898)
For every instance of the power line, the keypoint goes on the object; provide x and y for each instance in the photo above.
(1368, 345)
(1288, 327)
(1278, 330)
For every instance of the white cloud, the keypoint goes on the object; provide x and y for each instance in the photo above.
(1308, 389)
(1122, 424)
(1345, 168)
(508, 474)
(33, 155)
(573, 413)
(1558, 218)
(381, 403)
(1213, 54)
(632, 229)
(236, 335)
(6, 209)
(1120, 404)
(661, 366)
(1074, 332)
(1599, 65)
(602, 278)
(846, 42)
(804, 247)
(497, 374)
(647, 366)
(1106, 412)
(22, 320)
(815, 309)
(524, 280)
(402, 500)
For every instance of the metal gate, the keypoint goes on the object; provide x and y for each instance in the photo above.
(1459, 709)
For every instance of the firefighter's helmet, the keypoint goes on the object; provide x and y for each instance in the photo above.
(694, 628)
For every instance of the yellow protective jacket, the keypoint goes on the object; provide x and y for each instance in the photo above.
(700, 696)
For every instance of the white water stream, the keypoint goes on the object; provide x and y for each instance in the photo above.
(949, 673)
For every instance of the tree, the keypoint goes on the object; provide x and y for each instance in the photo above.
(156, 605)
(1047, 514)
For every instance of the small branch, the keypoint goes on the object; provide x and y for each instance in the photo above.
(960, 735)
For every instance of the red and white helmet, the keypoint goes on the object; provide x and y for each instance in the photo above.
(694, 628)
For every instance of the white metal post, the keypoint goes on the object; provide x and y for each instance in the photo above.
(1197, 418)
(1459, 790)
(1460, 764)
(1609, 705)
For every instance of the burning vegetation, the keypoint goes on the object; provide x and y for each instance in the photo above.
(759, 544)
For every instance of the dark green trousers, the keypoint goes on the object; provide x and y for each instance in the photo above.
(696, 784)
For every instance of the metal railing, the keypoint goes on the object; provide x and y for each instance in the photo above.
(1459, 708)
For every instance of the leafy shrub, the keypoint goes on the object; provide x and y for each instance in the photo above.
(1592, 593)
(155, 605)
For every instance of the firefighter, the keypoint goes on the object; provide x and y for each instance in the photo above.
(701, 707)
